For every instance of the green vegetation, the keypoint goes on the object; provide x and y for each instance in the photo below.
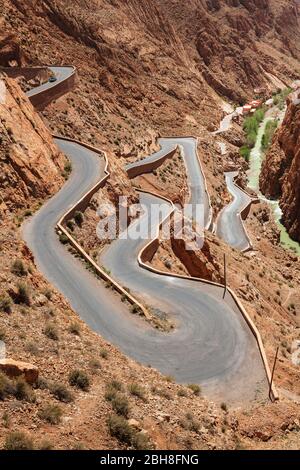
(196, 389)
(23, 296)
(121, 430)
(61, 392)
(5, 303)
(18, 441)
(271, 127)
(245, 152)
(103, 353)
(251, 126)
(15, 388)
(137, 391)
(18, 268)
(120, 404)
(79, 379)
(51, 332)
(51, 413)
(78, 217)
(280, 96)
(63, 238)
(75, 329)
(23, 391)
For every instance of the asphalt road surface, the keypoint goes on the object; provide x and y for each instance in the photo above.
(61, 73)
(211, 343)
(196, 180)
(229, 225)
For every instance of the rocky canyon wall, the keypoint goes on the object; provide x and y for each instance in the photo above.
(280, 176)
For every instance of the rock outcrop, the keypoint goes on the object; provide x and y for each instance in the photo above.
(30, 163)
(15, 369)
(280, 176)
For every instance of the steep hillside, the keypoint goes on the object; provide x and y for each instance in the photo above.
(280, 177)
(145, 69)
(31, 166)
(239, 45)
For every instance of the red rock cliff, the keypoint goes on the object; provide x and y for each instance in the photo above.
(280, 176)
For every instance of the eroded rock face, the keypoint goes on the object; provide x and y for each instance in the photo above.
(233, 40)
(280, 176)
(30, 163)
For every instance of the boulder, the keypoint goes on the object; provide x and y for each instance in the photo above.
(15, 369)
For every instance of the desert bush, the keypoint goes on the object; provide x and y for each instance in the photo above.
(135, 309)
(103, 353)
(51, 332)
(79, 379)
(168, 264)
(120, 404)
(32, 348)
(42, 383)
(6, 386)
(137, 390)
(5, 303)
(75, 329)
(78, 217)
(141, 442)
(51, 413)
(126, 434)
(23, 294)
(45, 445)
(94, 364)
(68, 168)
(47, 293)
(196, 389)
(189, 423)
(70, 225)
(18, 441)
(112, 388)
(61, 392)
(63, 238)
(224, 406)
(22, 391)
(18, 268)
(182, 392)
(119, 428)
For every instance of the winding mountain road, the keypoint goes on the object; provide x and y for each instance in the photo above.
(229, 224)
(212, 344)
(195, 176)
(60, 73)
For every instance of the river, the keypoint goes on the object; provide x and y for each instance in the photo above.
(256, 159)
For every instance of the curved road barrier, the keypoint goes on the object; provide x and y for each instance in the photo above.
(212, 343)
(146, 254)
(195, 175)
(229, 225)
(69, 146)
(42, 95)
